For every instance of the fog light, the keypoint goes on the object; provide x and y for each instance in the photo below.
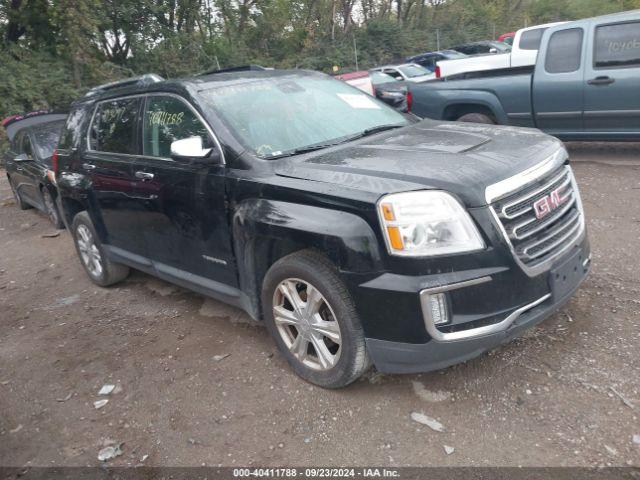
(438, 307)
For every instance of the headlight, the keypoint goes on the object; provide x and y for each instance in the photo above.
(426, 223)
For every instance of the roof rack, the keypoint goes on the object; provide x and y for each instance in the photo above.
(240, 68)
(142, 80)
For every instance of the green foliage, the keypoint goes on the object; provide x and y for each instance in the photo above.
(53, 50)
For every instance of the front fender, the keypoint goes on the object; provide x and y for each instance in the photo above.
(266, 230)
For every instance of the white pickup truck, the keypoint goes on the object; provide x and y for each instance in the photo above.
(523, 53)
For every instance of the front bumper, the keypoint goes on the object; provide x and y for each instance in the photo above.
(447, 347)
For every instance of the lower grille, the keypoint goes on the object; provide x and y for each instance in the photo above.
(542, 218)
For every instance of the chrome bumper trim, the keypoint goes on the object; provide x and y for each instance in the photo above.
(471, 333)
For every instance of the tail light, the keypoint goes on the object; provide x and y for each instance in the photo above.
(438, 72)
(409, 101)
(53, 173)
(54, 161)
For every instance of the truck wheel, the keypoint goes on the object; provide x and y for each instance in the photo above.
(100, 269)
(313, 320)
(52, 209)
(476, 118)
(22, 205)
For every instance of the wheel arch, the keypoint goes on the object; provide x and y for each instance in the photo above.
(265, 231)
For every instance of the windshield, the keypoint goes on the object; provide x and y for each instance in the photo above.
(378, 77)
(46, 138)
(273, 116)
(413, 71)
(501, 46)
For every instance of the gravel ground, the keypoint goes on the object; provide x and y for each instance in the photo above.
(568, 393)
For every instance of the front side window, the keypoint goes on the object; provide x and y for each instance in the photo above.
(617, 46)
(114, 126)
(277, 115)
(530, 40)
(166, 120)
(564, 51)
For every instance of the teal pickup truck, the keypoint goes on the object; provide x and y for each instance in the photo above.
(585, 85)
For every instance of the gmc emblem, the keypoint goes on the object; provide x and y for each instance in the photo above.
(549, 203)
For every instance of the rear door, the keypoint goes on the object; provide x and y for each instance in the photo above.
(182, 204)
(558, 82)
(108, 162)
(612, 74)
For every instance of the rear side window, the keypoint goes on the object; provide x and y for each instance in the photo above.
(564, 51)
(530, 40)
(46, 138)
(114, 126)
(25, 146)
(617, 46)
(166, 120)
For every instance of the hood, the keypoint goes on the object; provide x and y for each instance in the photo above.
(461, 158)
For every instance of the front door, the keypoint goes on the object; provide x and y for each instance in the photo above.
(108, 162)
(612, 86)
(23, 177)
(182, 204)
(558, 83)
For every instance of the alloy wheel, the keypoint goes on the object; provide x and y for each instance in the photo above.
(306, 323)
(89, 251)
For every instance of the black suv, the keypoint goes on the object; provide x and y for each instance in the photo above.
(358, 234)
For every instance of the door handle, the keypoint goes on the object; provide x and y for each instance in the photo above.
(144, 175)
(601, 81)
(88, 166)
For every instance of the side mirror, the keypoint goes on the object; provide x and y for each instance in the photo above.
(23, 157)
(191, 150)
(493, 50)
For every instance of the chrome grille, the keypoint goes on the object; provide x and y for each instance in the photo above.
(535, 240)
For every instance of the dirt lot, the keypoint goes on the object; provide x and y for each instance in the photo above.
(568, 393)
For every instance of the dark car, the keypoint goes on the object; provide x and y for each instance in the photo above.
(430, 60)
(482, 48)
(358, 234)
(29, 163)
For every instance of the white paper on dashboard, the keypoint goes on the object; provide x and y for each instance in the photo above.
(358, 101)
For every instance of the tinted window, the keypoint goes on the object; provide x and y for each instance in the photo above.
(617, 45)
(114, 126)
(530, 40)
(166, 120)
(564, 51)
(46, 138)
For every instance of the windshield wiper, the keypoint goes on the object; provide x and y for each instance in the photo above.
(380, 128)
(320, 146)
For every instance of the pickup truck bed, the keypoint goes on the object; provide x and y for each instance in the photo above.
(584, 85)
(493, 93)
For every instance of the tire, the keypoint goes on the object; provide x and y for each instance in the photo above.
(477, 118)
(22, 205)
(51, 209)
(298, 274)
(100, 269)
